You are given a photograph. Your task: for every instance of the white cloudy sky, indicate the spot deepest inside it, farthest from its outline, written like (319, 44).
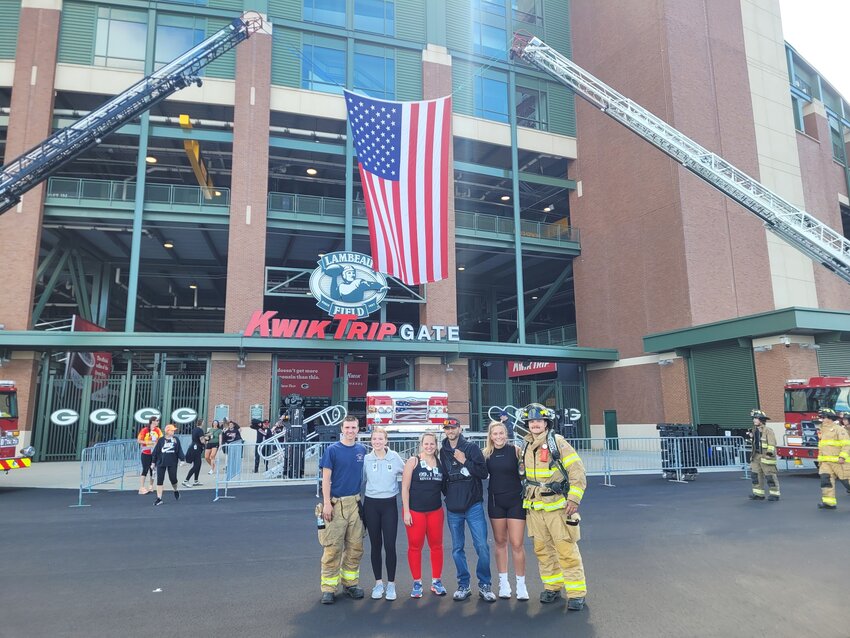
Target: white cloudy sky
(817, 29)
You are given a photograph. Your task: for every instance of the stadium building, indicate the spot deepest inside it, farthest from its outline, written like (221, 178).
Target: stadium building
(587, 270)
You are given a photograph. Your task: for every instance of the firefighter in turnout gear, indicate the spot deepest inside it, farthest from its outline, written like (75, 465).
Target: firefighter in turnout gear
(844, 419)
(833, 456)
(554, 486)
(763, 462)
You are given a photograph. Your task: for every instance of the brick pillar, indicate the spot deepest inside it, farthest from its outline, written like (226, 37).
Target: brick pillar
(431, 373)
(20, 228)
(775, 366)
(246, 251)
(675, 391)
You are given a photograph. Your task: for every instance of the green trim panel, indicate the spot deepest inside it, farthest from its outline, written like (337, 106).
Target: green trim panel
(834, 359)
(800, 320)
(408, 70)
(459, 25)
(462, 88)
(77, 33)
(233, 5)
(723, 385)
(225, 66)
(289, 9)
(410, 20)
(556, 22)
(10, 16)
(286, 65)
(562, 109)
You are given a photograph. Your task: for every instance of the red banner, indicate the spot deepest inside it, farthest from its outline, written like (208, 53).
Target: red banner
(528, 368)
(96, 364)
(358, 379)
(315, 378)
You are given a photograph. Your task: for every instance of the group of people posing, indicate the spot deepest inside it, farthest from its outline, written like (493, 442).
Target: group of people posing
(538, 486)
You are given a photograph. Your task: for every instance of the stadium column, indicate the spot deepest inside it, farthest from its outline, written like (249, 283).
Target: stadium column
(30, 122)
(235, 382)
(441, 309)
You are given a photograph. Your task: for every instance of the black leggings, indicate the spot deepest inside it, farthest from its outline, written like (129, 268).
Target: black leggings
(381, 516)
(196, 466)
(172, 474)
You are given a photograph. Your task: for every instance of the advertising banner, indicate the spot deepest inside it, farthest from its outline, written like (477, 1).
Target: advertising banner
(528, 368)
(358, 379)
(96, 364)
(315, 378)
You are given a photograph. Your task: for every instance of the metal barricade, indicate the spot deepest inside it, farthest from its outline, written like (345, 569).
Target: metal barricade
(106, 462)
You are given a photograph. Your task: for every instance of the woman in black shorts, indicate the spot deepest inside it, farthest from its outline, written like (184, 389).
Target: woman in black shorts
(504, 506)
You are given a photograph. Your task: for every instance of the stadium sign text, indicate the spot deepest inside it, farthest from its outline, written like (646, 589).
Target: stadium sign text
(347, 328)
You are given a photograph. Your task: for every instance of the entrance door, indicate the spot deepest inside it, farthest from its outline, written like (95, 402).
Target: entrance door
(610, 417)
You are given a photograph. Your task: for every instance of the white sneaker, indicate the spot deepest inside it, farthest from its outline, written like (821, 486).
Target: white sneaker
(391, 595)
(210, 472)
(378, 591)
(186, 484)
(504, 590)
(521, 591)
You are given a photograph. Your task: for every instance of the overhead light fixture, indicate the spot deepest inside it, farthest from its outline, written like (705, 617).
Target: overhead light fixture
(241, 362)
(505, 198)
(534, 297)
(193, 286)
(461, 267)
(311, 171)
(321, 254)
(217, 193)
(150, 159)
(549, 209)
(168, 244)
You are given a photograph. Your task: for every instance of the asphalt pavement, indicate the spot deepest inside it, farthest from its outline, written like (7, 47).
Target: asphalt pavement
(662, 559)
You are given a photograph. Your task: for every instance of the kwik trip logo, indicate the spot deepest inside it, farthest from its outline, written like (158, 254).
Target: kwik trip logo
(345, 284)
(346, 287)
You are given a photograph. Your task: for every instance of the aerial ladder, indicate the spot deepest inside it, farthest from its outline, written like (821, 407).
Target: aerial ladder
(809, 235)
(28, 170)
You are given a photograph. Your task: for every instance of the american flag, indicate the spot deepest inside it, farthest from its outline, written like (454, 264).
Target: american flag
(403, 155)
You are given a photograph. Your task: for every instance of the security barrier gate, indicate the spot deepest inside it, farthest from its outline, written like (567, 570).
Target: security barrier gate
(73, 414)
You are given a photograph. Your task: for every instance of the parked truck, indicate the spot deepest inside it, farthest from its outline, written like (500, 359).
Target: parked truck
(9, 432)
(803, 399)
(406, 411)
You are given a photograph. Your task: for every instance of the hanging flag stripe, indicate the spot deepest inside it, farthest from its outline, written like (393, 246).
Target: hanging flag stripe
(403, 158)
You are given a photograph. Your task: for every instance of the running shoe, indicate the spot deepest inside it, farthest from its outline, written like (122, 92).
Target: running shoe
(437, 587)
(417, 590)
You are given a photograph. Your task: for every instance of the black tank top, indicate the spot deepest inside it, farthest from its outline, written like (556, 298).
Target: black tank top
(503, 467)
(426, 488)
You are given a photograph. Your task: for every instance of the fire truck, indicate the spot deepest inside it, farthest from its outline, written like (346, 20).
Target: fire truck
(9, 432)
(803, 399)
(406, 411)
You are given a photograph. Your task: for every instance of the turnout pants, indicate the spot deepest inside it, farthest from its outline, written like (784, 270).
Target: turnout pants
(763, 470)
(342, 540)
(556, 548)
(829, 473)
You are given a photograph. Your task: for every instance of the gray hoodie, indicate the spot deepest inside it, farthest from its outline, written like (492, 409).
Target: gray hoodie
(381, 475)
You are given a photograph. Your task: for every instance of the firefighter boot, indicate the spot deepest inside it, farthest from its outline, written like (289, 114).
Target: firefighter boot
(328, 598)
(772, 498)
(575, 604)
(824, 506)
(549, 596)
(755, 497)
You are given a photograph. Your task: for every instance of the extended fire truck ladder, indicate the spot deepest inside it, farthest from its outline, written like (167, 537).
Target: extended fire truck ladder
(812, 237)
(25, 172)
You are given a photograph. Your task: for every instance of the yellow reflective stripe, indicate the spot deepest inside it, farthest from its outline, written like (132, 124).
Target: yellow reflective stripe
(330, 580)
(526, 504)
(827, 458)
(533, 473)
(769, 448)
(575, 585)
(561, 503)
(844, 455)
(833, 442)
(829, 500)
(551, 580)
(768, 461)
(572, 458)
(350, 575)
(576, 491)
(758, 492)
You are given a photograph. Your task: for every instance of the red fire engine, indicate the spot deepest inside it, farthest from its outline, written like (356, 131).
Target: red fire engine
(803, 399)
(406, 411)
(9, 432)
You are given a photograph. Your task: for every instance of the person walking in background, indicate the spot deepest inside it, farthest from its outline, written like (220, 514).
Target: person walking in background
(213, 441)
(166, 455)
(763, 459)
(231, 434)
(381, 470)
(422, 509)
(264, 432)
(504, 506)
(147, 439)
(463, 467)
(833, 457)
(844, 420)
(342, 537)
(554, 488)
(195, 456)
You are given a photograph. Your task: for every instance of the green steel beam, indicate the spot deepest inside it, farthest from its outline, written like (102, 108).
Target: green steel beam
(504, 173)
(313, 147)
(797, 320)
(48, 288)
(217, 342)
(541, 303)
(548, 181)
(520, 285)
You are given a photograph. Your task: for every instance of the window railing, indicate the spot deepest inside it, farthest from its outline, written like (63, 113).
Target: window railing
(125, 191)
(560, 336)
(558, 231)
(313, 205)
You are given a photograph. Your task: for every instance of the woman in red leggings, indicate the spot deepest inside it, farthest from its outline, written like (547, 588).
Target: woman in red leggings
(422, 504)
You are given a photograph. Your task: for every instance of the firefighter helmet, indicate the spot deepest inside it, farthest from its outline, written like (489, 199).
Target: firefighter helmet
(827, 413)
(760, 415)
(534, 411)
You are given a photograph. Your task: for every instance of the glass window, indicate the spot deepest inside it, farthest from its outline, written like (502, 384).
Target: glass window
(496, 7)
(120, 39)
(489, 40)
(377, 16)
(323, 66)
(325, 11)
(490, 98)
(527, 11)
(374, 72)
(837, 139)
(175, 35)
(531, 108)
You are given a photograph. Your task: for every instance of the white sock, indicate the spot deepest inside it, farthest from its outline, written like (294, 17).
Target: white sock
(503, 578)
(379, 582)
(520, 580)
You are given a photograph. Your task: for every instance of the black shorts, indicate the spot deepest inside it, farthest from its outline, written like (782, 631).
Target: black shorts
(212, 446)
(508, 505)
(146, 464)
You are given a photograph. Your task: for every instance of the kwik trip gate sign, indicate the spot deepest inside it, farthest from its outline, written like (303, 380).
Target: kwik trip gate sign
(346, 287)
